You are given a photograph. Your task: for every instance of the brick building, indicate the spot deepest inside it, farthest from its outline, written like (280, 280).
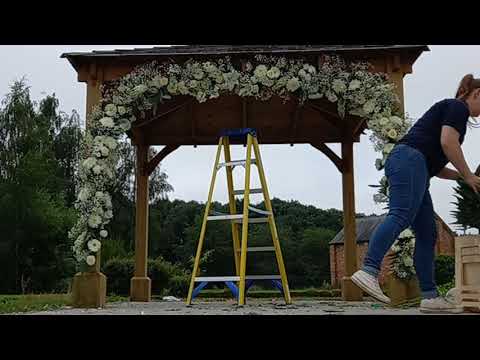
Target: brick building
(364, 230)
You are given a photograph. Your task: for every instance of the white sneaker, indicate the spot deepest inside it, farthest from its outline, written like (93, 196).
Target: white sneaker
(370, 285)
(439, 305)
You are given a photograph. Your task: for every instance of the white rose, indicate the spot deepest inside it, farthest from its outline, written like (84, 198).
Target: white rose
(172, 87)
(124, 124)
(121, 110)
(369, 106)
(84, 194)
(97, 169)
(408, 261)
(110, 142)
(383, 121)
(182, 88)
(94, 245)
(90, 260)
(111, 110)
(104, 233)
(302, 73)
(104, 151)
(396, 120)
(392, 134)
(107, 122)
(109, 214)
(293, 84)
(198, 74)
(219, 78)
(163, 81)
(89, 163)
(354, 85)
(94, 220)
(261, 71)
(193, 84)
(140, 89)
(108, 201)
(273, 73)
(339, 86)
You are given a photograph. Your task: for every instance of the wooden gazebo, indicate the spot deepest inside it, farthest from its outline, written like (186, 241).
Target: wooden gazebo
(184, 121)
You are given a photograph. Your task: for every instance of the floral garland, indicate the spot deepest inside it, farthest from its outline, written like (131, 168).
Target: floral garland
(402, 253)
(352, 86)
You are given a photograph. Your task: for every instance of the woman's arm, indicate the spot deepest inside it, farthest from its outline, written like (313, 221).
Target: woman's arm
(452, 149)
(449, 174)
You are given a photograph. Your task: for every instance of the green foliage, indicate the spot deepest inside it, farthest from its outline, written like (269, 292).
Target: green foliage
(35, 192)
(166, 277)
(444, 269)
(467, 214)
(445, 288)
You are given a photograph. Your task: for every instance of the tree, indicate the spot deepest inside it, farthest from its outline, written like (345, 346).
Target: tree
(34, 216)
(467, 214)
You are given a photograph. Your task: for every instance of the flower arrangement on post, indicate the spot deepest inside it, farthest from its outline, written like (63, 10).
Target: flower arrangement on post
(351, 85)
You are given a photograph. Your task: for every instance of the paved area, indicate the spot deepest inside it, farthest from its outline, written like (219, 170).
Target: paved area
(229, 307)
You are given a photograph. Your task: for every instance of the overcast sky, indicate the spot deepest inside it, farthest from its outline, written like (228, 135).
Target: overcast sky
(299, 173)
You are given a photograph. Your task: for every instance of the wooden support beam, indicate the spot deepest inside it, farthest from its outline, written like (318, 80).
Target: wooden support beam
(296, 118)
(140, 290)
(244, 113)
(337, 161)
(350, 292)
(359, 127)
(173, 109)
(332, 118)
(153, 163)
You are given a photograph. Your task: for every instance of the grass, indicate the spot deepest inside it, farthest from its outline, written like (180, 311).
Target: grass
(10, 304)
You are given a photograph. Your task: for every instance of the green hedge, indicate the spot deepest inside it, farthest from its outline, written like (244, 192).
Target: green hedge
(167, 278)
(444, 269)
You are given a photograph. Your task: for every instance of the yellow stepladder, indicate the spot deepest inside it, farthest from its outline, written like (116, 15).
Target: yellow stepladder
(241, 282)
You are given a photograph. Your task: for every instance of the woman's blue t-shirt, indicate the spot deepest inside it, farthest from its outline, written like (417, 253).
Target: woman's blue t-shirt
(425, 135)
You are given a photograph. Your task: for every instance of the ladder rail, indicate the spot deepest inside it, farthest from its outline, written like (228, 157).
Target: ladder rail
(273, 227)
(204, 224)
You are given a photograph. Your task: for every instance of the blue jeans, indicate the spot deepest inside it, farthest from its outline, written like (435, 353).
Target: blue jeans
(410, 206)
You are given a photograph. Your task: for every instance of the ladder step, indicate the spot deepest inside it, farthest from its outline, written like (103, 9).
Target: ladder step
(237, 278)
(252, 191)
(252, 220)
(217, 279)
(259, 249)
(258, 211)
(237, 219)
(235, 163)
(224, 217)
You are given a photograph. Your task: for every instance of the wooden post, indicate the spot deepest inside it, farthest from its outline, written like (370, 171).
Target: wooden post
(350, 292)
(140, 290)
(89, 289)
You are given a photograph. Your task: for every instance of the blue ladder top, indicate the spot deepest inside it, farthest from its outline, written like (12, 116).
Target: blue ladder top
(238, 133)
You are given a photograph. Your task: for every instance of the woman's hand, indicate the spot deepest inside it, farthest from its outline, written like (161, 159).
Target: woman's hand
(474, 182)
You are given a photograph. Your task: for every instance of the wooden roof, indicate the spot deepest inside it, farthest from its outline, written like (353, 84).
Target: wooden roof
(77, 58)
(366, 226)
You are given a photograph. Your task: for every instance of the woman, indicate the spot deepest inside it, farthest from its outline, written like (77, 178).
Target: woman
(433, 142)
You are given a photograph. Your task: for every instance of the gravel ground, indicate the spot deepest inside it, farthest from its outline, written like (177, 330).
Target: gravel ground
(229, 307)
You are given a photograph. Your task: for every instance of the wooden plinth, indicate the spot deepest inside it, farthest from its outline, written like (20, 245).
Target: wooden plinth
(140, 289)
(89, 290)
(350, 291)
